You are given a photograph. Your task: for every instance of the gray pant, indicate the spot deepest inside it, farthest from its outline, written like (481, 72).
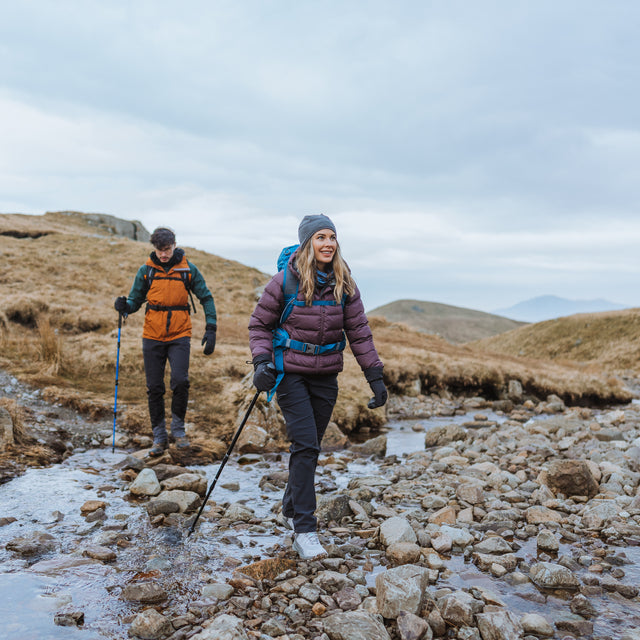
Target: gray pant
(306, 403)
(155, 354)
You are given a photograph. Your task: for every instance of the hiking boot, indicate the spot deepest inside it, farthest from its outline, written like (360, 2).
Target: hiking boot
(182, 442)
(157, 449)
(308, 546)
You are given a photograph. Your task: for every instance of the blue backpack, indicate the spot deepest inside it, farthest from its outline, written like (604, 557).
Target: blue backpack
(281, 339)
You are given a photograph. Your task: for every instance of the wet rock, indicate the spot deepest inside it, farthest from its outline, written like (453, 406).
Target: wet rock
(238, 512)
(498, 625)
(459, 537)
(548, 575)
(130, 462)
(150, 625)
(186, 500)
(104, 554)
(581, 606)
(412, 627)
(274, 627)
(514, 390)
(571, 478)
(56, 565)
(574, 624)
(444, 434)
(400, 553)
(186, 482)
(69, 617)
(355, 625)
(598, 513)
(459, 608)
(5, 521)
(332, 581)
(224, 627)
(146, 484)
(92, 505)
(537, 625)
(158, 507)
(333, 508)
(6, 429)
(494, 544)
(401, 589)
(145, 592)
(217, 590)
(276, 478)
(373, 447)
(33, 543)
(347, 598)
(547, 541)
(397, 529)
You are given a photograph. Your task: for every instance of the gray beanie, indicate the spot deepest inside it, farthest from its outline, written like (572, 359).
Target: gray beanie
(311, 225)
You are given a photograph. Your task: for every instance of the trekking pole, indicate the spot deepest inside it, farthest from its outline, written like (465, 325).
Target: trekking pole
(115, 401)
(224, 460)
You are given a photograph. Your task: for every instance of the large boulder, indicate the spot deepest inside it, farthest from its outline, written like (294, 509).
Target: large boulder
(571, 478)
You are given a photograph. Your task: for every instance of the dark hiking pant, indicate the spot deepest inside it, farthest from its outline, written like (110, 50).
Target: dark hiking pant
(306, 402)
(156, 354)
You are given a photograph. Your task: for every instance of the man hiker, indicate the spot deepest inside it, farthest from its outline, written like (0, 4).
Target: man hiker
(166, 281)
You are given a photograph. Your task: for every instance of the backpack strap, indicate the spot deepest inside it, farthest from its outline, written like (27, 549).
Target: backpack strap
(185, 276)
(281, 338)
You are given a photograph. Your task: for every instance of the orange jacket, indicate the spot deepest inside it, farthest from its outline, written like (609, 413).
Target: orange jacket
(167, 316)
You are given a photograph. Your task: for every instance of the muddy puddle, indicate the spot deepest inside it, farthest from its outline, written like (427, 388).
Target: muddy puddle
(34, 588)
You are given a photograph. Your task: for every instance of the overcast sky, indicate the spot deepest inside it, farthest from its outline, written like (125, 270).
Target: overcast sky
(474, 153)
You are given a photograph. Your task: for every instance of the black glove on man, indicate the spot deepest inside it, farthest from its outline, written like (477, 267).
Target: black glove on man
(209, 340)
(374, 378)
(264, 377)
(120, 304)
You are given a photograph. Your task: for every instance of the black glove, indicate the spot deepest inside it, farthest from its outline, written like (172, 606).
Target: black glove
(209, 339)
(374, 378)
(120, 304)
(264, 377)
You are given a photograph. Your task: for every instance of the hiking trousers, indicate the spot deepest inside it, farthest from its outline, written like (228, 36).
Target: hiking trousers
(306, 402)
(155, 354)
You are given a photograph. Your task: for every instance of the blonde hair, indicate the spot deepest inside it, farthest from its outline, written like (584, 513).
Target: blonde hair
(307, 268)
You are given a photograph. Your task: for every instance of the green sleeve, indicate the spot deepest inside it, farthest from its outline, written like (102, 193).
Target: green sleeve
(199, 287)
(138, 292)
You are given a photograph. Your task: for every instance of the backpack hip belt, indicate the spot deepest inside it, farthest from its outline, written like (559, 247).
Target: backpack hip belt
(162, 307)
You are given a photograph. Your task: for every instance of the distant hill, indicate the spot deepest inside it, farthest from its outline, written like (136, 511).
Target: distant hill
(549, 307)
(455, 324)
(609, 339)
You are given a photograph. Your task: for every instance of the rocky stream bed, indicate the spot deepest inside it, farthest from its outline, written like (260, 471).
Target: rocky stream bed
(466, 519)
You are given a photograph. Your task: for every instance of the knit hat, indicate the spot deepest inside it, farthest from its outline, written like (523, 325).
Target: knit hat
(311, 225)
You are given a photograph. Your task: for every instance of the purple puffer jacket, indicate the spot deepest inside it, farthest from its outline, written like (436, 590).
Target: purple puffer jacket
(318, 324)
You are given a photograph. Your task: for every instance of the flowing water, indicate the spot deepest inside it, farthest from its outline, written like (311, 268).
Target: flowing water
(49, 500)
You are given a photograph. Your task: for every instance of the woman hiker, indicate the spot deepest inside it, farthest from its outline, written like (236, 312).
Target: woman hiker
(307, 352)
(166, 281)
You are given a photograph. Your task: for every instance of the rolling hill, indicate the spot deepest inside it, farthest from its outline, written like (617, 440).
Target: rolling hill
(455, 324)
(609, 339)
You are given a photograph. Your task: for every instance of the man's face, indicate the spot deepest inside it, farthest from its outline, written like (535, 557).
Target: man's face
(165, 254)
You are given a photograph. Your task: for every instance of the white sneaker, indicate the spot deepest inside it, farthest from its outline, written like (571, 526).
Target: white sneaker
(308, 546)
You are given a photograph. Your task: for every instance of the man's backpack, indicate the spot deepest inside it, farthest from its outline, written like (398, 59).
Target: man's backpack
(281, 339)
(185, 276)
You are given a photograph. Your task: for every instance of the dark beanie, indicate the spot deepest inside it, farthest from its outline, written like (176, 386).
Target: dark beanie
(311, 225)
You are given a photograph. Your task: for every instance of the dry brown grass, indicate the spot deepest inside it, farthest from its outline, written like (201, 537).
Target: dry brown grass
(609, 340)
(61, 333)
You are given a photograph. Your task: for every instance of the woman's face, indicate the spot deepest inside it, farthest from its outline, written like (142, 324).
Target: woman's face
(324, 244)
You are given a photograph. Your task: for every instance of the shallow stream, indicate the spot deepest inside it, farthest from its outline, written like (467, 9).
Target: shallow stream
(49, 500)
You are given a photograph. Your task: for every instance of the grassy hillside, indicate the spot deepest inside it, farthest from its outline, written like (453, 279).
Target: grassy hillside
(58, 331)
(455, 324)
(608, 340)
